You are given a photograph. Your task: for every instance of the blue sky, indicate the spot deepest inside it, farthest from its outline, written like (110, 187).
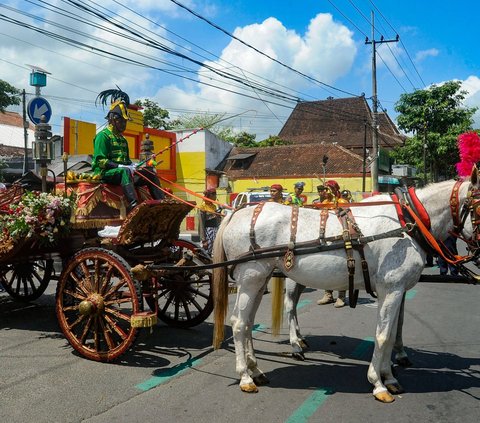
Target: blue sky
(320, 46)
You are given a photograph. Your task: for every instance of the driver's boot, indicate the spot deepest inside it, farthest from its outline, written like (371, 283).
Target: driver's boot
(130, 196)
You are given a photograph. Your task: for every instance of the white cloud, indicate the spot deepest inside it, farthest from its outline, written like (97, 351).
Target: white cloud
(423, 54)
(326, 52)
(472, 99)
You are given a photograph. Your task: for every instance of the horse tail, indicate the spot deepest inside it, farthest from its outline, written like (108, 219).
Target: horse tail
(220, 287)
(277, 304)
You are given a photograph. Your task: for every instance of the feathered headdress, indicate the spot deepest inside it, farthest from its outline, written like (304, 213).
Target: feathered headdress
(469, 150)
(119, 101)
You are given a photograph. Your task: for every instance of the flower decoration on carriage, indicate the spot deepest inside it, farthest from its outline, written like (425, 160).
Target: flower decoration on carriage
(469, 150)
(43, 215)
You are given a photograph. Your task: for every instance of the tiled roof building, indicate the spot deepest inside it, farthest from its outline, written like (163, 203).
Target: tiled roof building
(346, 121)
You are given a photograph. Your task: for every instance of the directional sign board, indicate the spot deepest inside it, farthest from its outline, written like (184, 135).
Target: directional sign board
(37, 107)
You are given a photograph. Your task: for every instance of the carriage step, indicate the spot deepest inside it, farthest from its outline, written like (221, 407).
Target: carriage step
(143, 320)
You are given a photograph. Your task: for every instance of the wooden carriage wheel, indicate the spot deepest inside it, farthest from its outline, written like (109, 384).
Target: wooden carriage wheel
(96, 297)
(185, 299)
(26, 281)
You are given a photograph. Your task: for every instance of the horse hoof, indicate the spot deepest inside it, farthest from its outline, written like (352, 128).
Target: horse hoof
(404, 362)
(261, 380)
(394, 388)
(299, 356)
(250, 388)
(384, 397)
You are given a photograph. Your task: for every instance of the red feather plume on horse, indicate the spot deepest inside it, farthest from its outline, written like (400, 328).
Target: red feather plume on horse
(469, 150)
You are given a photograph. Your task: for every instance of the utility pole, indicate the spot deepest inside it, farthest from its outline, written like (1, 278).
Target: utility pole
(375, 152)
(25, 134)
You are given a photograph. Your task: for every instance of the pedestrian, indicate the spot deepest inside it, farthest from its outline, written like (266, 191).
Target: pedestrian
(444, 266)
(276, 193)
(209, 219)
(333, 197)
(111, 158)
(346, 195)
(322, 194)
(296, 199)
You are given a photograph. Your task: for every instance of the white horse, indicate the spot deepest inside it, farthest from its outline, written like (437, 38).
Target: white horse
(395, 265)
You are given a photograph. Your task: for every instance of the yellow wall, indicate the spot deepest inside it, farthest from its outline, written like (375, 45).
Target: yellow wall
(80, 137)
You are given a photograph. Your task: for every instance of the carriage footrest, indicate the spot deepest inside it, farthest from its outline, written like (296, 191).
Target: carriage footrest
(143, 320)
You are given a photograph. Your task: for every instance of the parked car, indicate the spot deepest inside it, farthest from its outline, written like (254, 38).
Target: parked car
(253, 196)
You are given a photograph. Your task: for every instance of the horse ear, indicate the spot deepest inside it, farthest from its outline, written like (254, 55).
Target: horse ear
(474, 175)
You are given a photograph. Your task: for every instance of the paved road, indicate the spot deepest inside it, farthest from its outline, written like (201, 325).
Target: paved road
(173, 375)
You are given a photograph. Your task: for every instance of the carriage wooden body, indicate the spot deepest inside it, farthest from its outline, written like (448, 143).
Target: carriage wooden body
(105, 291)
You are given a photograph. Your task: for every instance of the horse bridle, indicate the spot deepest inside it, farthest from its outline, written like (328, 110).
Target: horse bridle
(471, 207)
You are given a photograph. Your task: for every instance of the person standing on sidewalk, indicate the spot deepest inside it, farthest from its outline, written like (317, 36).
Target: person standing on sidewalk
(333, 197)
(209, 220)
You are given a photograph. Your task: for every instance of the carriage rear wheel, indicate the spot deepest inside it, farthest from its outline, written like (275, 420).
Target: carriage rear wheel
(96, 298)
(185, 299)
(26, 281)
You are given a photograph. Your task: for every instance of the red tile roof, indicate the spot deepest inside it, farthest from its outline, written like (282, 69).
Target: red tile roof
(346, 121)
(299, 160)
(13, 119)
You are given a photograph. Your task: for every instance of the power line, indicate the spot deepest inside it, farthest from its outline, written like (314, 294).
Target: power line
(259, 51)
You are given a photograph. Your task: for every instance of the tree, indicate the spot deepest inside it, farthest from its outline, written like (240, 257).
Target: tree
(9, 95)
(272, 141)
(435, 116)
(153, 115)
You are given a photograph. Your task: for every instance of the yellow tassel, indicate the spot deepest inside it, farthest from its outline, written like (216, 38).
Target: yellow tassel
(277, 304)
(143, 320)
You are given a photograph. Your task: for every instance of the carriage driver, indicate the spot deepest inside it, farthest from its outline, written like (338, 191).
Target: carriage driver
(111, 157)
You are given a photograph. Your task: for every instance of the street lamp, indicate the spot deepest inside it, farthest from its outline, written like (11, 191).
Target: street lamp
(43, 152)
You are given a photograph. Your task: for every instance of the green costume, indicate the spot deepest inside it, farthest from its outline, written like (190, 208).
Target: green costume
(109, 151)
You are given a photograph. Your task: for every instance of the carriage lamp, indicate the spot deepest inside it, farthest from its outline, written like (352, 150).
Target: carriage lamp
(42, 149)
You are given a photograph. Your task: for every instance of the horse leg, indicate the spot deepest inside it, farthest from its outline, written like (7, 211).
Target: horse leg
(257, 375)
(293, 291)
(401, 356)
(380, 371)
(242, 320)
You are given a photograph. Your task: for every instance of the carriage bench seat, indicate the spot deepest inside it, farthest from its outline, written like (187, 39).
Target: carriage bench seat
(98, 204)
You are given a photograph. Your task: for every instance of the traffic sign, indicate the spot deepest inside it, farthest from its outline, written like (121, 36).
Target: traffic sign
(37, 107)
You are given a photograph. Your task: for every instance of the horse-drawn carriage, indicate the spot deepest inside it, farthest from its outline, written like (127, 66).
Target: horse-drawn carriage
(106, 290)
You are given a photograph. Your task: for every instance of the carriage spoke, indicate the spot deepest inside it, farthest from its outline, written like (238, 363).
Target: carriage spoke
(86, 329)
(118, 314)
(112, 324)
(76, 322)
(106, 334)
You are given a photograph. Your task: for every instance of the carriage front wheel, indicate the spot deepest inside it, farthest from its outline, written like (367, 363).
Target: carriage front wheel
(26, 281)
(185, 299)
(96, 298)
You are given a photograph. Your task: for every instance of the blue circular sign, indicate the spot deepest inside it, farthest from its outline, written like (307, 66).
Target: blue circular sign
(37, 107)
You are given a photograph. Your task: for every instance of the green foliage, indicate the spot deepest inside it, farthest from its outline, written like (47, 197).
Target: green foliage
(205, 120)
(153, 115)
(9, 95)
(272, 141)
(435, 116)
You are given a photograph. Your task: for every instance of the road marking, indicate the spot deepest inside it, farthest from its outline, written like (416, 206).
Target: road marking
(363, 348)
(303, 303)
(258, 327)
(168, 374)
(410, 294)
(303, 413)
